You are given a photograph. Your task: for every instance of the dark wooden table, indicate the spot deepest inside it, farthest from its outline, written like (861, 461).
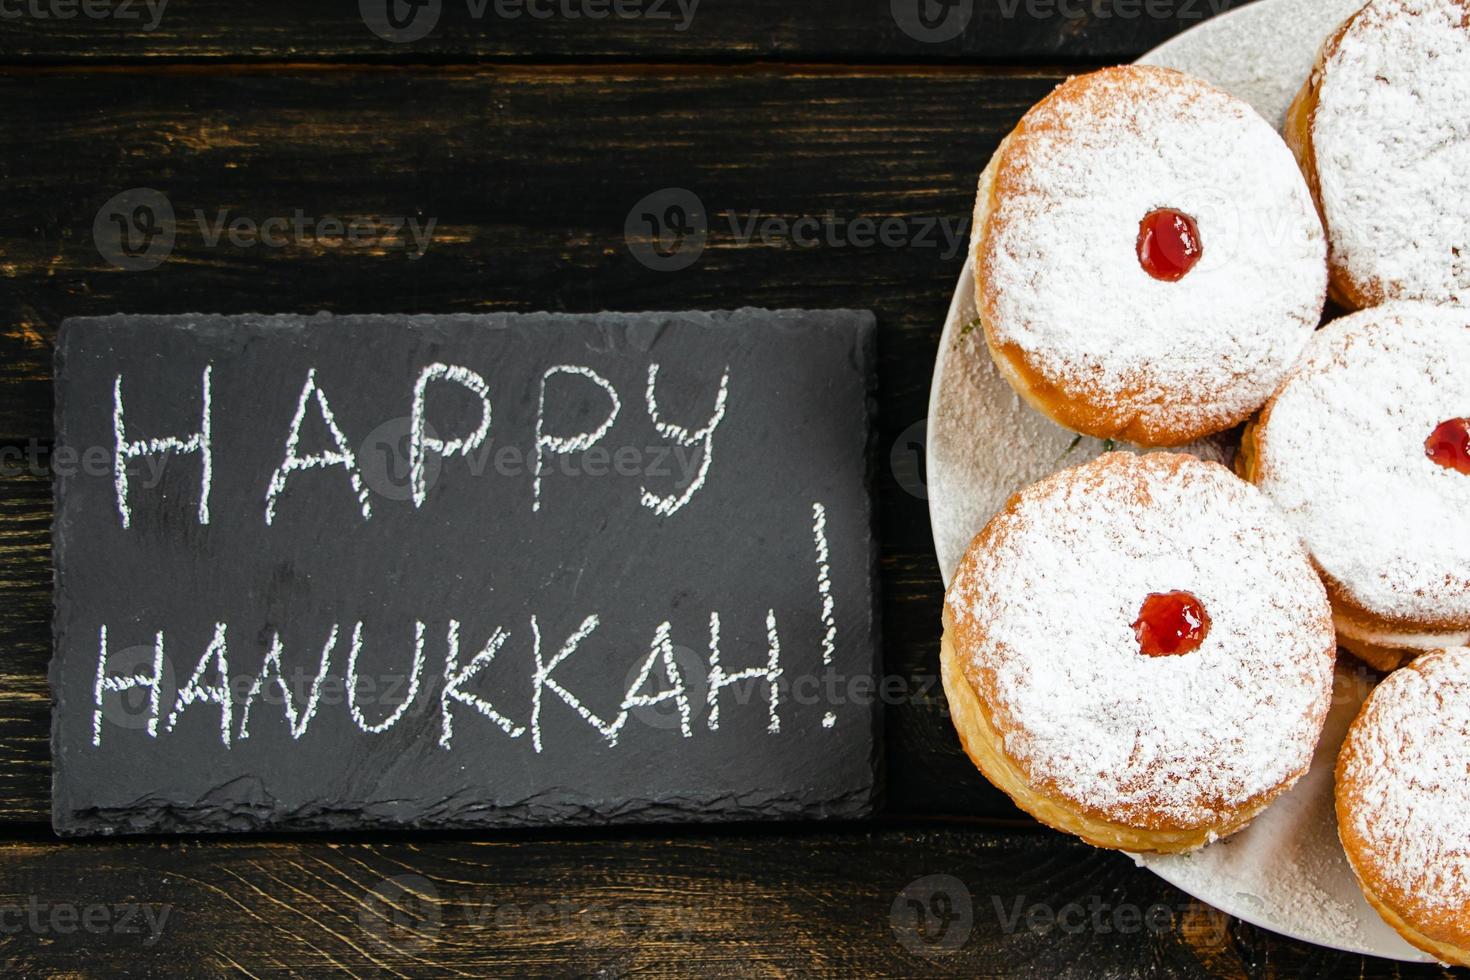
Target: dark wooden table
(528, 140)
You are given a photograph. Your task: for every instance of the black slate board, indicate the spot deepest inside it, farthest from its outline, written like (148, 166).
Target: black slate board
(470, 554)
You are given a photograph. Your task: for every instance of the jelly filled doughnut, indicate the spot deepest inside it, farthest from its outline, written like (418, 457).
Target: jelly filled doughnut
(1367, 451)
(1148, 261)
(1138, 651)
(1403, 803)
(1382, 131)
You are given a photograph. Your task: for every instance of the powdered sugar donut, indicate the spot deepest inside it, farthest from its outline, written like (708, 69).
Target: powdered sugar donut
(1148, 260)
(1138, 652)
(1367, 450)
(1403, 803)
(1383, 134)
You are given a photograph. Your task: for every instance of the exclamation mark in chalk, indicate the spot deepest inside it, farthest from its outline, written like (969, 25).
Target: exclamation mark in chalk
(824, 589)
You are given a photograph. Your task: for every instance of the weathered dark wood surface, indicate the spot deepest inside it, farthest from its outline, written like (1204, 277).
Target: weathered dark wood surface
(529, 143)
(530, 216)
(801, 903)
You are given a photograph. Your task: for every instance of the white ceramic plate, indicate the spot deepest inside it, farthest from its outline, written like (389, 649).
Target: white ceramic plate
(1286, 872)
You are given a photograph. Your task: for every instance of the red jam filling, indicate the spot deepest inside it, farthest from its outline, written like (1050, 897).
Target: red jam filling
(1171, 624)
(1168, 244)
(1449, 445)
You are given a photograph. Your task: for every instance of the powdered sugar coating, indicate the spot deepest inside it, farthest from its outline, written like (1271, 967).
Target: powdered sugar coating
(1058, 272)
(1391, 135)
(1042, 606)
(1404, 793)
(1341, 451)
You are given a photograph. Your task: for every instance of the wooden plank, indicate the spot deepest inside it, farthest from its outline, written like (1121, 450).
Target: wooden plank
(832, 905)
(653, 30)
(531, 214)
(530, 176)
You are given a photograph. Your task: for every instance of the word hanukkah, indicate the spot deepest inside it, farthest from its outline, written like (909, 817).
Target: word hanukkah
(235, 719)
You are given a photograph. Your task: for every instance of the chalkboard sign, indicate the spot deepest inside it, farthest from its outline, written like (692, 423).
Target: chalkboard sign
(445, 571)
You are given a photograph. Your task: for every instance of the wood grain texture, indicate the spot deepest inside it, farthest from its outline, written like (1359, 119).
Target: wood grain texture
(531, 171)
(579, 30)
(844, 904)
(529, 175)
(531, 214)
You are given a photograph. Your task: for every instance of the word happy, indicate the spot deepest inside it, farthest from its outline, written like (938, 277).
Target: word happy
(423, 446)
